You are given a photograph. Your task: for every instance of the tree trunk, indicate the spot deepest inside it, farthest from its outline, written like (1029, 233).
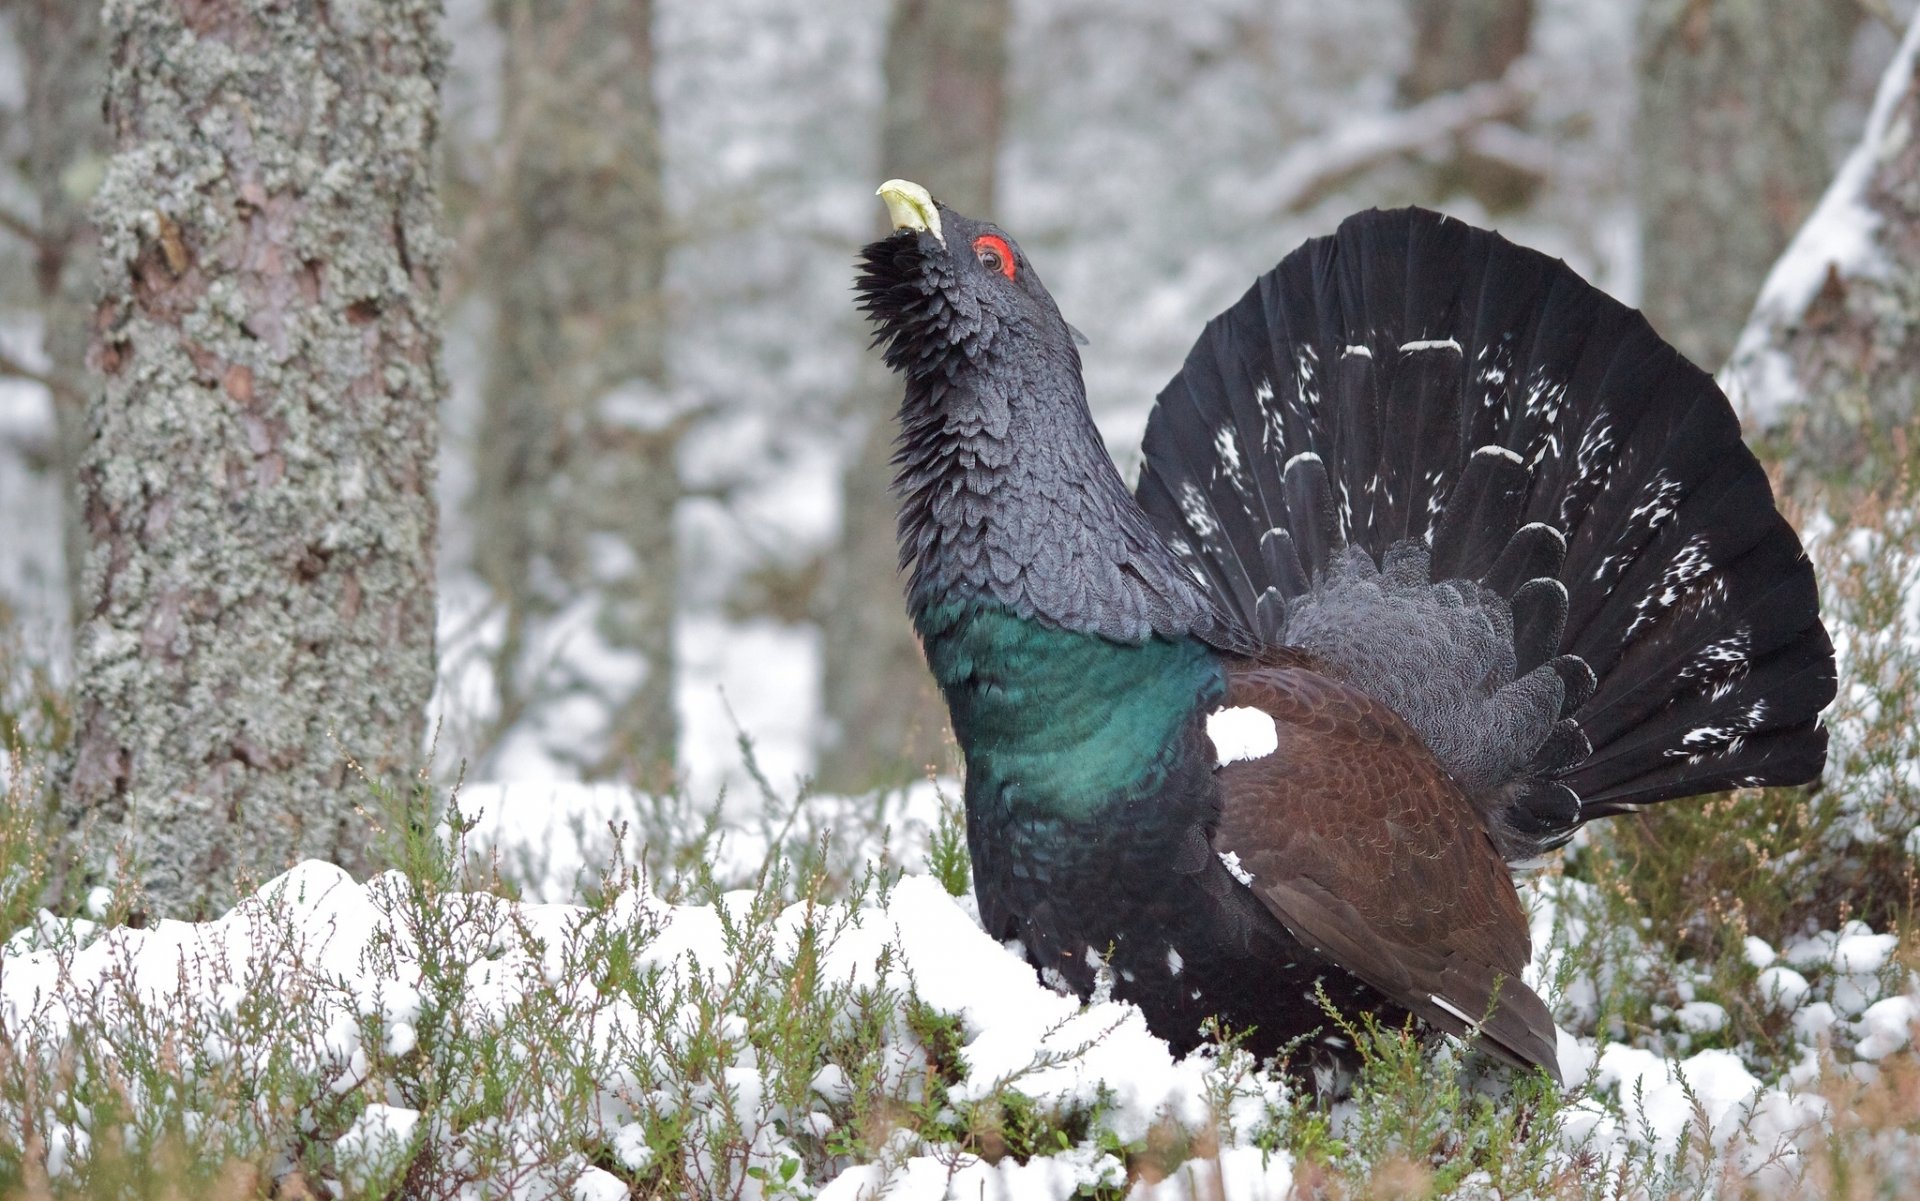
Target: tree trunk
(66, 68)
(1733, 151)
(258, 486)
(945, 69)
(578, 478)
(1456, 44)
(1832, 352)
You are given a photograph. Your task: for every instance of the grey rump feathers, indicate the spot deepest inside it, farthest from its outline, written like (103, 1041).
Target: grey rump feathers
(1443, 657)
(1007, 491)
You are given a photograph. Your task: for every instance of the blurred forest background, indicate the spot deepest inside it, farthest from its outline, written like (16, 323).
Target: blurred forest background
(627, 236)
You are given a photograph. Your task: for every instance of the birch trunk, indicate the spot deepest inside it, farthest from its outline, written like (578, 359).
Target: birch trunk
(258, 488)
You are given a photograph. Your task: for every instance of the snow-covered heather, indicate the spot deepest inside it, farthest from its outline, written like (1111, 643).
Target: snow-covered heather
(361, 993)
(642, 1028)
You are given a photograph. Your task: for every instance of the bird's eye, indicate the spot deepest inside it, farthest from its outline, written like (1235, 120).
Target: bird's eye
(994, 254)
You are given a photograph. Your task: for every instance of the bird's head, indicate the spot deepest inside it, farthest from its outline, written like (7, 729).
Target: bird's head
(945, 290)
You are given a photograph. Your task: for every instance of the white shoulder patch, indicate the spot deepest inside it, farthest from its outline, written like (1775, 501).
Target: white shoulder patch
(1232, 860)
(1241, 733)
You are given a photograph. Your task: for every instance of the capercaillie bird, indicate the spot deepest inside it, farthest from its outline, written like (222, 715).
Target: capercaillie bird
(1438, 553)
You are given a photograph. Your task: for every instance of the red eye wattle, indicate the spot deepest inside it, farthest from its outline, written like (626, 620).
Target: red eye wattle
(994, 254)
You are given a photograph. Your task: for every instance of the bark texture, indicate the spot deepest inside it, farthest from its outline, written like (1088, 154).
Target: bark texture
(66, 69)
(578, 476)
(1832, 352)
(259, 480)
(1731, 126)
(945, 68)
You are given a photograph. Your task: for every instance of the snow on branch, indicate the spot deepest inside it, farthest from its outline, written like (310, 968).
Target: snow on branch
(1310, 168)
(1839, 270)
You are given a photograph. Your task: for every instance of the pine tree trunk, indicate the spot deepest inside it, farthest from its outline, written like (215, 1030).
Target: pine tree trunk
(1832, 352)
(66, 69)
(258, 486)
(945, 69)
(578, 479)
(1731, 128)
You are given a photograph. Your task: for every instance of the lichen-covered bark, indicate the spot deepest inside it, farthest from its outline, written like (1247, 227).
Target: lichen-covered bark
(1731, 131)
(945, 68)
(1832, 351)
(258, 485)
(66, 69)
(578, 477)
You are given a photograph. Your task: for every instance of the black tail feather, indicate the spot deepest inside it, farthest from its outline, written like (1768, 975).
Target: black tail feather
(1413, 378)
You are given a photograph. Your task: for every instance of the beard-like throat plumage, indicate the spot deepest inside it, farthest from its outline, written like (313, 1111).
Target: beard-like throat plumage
(1006, 489)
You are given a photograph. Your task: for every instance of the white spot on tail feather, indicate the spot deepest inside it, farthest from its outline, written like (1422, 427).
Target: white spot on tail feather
(1193, 506)
(1226, 451)
(1305, 456)
(1544, 400)
(1241, 733)
(1174, 962)
(1723, 663)
(1722, 739)
(1430, 344)
(1234, 869)
(1663, 496)
(1686, 569)
(1357, 351)
(1499, 452)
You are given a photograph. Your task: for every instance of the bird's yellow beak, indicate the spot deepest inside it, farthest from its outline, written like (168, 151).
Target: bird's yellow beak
(911, 207)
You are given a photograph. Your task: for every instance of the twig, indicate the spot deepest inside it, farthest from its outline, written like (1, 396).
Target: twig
(21, 228)
(57, 384)
(1515, 148)
(1308, 170)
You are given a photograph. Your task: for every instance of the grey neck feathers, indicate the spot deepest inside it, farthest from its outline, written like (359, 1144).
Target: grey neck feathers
(1008, 493)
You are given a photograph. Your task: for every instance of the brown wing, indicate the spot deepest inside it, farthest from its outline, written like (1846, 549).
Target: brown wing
(1368, 852)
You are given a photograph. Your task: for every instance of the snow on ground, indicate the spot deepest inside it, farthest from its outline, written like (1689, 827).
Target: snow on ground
(349, 948)
(553, 838)
(351, 958)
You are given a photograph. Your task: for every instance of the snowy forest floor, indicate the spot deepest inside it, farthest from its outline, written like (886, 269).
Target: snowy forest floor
(584, 992)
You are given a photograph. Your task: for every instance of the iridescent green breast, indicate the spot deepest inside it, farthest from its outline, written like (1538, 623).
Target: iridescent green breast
(1057, 722)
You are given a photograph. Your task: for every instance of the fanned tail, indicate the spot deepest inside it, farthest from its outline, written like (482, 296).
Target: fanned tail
(1480, 488)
